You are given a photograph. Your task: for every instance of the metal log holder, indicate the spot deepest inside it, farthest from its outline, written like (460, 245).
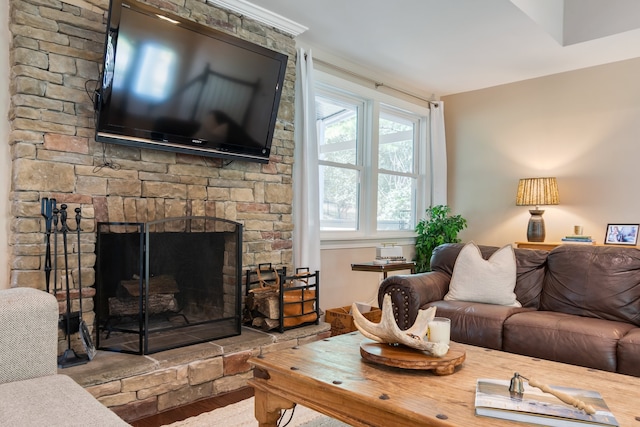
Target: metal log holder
(296, 295)
(299, 299)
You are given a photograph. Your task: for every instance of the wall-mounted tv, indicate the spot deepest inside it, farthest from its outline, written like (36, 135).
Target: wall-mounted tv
(172, 84)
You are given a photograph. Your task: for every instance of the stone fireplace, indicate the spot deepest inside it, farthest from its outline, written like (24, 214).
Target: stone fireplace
(55, 49)
(167, 284)
(54, 55)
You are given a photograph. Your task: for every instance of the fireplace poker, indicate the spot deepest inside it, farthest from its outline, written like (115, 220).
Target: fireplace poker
(85, 336)
(55, 249)
(46, 210)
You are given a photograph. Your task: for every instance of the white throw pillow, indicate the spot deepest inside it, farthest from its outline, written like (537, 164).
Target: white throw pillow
(489, 281)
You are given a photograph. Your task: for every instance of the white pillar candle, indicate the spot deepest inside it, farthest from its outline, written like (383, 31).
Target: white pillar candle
(440, 330)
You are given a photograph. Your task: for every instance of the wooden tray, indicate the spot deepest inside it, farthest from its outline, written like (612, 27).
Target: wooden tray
(408, 358)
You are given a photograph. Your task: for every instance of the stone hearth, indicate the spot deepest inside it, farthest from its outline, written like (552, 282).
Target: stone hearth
(135, 386)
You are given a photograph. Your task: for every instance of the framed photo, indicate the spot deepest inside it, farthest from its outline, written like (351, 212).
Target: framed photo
(621, 234)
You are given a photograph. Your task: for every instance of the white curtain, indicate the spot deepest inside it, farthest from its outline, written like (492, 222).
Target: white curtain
(306, 210)
(438, 155)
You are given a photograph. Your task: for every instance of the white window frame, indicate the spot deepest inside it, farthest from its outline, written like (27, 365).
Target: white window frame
(374, 100)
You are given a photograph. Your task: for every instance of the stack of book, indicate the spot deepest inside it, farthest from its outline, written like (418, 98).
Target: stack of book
(578, 238)
(389, 253)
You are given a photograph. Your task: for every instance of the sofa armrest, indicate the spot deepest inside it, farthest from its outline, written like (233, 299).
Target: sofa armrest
(410, 292)
(28, 334)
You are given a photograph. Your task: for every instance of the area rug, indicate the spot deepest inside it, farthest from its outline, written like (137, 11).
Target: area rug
(241, 415)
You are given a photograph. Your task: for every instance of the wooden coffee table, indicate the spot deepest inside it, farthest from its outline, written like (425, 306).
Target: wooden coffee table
(330, 377)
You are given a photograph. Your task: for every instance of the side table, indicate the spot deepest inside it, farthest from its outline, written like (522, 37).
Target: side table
(547, 246)
(384, 268)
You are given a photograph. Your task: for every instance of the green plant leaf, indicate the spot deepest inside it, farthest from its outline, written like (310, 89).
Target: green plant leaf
(437, 228)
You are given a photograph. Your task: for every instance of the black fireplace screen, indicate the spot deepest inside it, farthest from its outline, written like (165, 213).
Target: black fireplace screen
(168, 283)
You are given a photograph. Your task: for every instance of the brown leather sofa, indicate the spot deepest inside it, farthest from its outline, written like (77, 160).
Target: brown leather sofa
(580, 305)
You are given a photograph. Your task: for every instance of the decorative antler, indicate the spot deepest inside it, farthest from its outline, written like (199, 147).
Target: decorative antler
(387, 331)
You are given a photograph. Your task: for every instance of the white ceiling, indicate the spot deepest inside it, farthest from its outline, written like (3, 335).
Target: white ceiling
(441, 47)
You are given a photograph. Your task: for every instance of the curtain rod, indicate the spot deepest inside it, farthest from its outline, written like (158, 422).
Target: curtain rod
(377, 84)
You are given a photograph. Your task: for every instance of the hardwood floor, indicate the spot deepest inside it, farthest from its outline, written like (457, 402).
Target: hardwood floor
(194, 409)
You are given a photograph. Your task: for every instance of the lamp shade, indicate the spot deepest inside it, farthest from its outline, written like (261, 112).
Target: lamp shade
(537, 191)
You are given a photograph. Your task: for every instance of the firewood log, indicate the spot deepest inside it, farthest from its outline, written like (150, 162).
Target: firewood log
(129, 306)
(163, 284)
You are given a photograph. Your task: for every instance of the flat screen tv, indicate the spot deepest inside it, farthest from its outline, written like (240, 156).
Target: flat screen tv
(172, 84)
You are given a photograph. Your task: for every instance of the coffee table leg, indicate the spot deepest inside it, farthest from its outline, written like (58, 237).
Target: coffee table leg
(268, 407)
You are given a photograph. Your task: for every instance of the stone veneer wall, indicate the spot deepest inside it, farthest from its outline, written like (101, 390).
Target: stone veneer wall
(56, 48)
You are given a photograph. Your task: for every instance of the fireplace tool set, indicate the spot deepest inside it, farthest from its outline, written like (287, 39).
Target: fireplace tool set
(70, 322)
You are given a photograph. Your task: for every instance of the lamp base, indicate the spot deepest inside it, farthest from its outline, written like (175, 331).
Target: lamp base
(535, 229)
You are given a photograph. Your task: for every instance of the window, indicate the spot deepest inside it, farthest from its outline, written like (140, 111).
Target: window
(372, 172)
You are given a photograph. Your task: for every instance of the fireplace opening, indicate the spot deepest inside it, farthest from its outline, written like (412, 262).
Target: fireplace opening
(167, 284)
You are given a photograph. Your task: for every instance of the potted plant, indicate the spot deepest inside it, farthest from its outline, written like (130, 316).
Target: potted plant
(437, 228)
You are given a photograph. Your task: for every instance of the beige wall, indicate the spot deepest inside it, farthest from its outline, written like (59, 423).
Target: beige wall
(340, 286)
(582, 127)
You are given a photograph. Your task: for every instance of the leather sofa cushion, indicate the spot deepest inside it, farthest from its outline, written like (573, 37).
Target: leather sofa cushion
(593, 281)
(475, 323)
(530, 268)
(628, 351)
(565, 338)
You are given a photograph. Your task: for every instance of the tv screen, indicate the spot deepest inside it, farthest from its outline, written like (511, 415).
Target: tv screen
(172, 84)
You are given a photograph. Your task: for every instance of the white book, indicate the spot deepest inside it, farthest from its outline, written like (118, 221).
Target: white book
(493, 399)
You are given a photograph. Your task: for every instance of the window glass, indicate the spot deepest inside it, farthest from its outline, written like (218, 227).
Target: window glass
(396, 142)
(397, 134)
(337, 128)
(338, 122)
(396, 195)
(339, 192)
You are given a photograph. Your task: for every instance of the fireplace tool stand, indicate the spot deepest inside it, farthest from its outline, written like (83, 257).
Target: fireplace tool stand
(69, 357)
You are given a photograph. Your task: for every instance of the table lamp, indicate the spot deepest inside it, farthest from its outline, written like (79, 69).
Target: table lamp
(536, 192)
